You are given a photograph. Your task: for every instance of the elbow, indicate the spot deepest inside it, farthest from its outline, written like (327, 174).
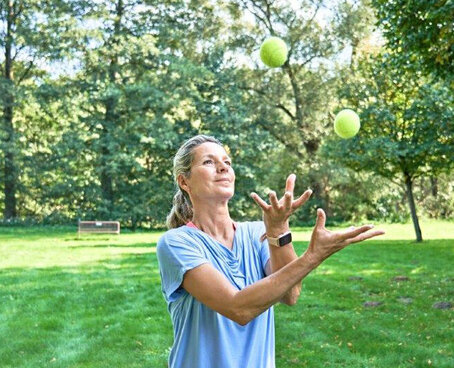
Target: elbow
(291, 298)
(243, 322)
(239, 312)
(292, 301)
(242, 318)
(289, 301)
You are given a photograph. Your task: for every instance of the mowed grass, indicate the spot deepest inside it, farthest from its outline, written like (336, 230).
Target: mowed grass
(96, 302)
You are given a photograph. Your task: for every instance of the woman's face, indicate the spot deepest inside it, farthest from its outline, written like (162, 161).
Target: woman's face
(212, 175)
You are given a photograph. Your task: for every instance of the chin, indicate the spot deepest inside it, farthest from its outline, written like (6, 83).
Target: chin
(227, 195)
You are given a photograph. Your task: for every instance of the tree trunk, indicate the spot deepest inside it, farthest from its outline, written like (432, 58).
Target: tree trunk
(311, 144)
(411, 202)
(10, 171)
(434, 186)
(106, 177)
(110, 118)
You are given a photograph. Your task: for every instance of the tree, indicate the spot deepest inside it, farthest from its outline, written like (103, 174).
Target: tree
(420, 31)
(407, 125)
(136, 95)
(292, 103)
(31, 32)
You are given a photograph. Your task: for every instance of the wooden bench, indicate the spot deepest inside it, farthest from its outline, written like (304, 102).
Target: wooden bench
(100, 227)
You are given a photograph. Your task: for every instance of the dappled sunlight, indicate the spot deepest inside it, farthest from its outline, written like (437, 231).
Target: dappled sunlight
(371, 271)
(326, 271)
(418, 270)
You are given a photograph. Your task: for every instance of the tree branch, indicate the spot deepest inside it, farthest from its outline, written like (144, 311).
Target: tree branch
(278, 105)
(280, 138)
(24, 74)
(18, 50)
(18, 12)
(264, 17)
(287, 111)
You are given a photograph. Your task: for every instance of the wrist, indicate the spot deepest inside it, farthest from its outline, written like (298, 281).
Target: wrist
(274, 231)
(312, 259)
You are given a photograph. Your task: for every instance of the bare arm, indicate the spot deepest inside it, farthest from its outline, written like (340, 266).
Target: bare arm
(275, 216)
(211, 288)
(280, 257)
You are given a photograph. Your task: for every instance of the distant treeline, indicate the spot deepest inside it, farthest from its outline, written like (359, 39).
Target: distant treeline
(97, 96)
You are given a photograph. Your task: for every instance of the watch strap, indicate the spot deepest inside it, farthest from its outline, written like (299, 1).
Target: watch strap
(281, 240)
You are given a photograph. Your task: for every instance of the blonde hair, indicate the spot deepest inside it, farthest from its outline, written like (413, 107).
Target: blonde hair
(181, 212)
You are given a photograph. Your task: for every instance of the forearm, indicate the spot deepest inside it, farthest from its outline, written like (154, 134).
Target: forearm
(258, 297)
(280, 257)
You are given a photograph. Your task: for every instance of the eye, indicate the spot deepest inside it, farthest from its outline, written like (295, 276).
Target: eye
(228, 163)
(207, 162)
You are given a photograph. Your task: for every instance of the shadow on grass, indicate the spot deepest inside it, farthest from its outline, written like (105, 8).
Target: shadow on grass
(110, 245)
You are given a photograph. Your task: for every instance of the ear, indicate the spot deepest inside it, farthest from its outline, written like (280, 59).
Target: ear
(182, 182)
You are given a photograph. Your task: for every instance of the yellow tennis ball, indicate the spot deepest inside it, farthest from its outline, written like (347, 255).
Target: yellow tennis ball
(346, 123)
(273, 52)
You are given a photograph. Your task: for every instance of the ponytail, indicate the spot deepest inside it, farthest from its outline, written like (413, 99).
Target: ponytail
(181, 212)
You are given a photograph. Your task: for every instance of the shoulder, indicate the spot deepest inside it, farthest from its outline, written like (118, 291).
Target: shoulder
(180, 236)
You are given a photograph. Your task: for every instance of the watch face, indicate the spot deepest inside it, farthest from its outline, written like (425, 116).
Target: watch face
(286, 239)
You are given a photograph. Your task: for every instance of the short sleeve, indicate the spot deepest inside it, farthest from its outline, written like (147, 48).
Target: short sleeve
(176, 254)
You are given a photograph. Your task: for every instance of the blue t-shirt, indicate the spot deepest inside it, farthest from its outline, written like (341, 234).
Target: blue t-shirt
(204, 338)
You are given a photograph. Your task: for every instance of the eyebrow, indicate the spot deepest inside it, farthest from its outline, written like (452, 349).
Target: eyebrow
(213, 156)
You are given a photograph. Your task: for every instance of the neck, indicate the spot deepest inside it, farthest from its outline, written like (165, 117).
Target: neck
(213, 220)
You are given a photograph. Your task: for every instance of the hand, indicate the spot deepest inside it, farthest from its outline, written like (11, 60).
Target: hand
(324, 243)
(276, 214)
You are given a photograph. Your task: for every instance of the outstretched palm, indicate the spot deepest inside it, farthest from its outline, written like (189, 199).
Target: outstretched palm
(325, 242)
(276, 214)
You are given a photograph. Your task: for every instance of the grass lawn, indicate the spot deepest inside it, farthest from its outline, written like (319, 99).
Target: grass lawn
(96, 302)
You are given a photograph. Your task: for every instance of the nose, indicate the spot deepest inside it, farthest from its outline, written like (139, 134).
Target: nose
(222, 167)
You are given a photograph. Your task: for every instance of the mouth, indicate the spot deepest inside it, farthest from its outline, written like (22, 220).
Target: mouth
(221, 180)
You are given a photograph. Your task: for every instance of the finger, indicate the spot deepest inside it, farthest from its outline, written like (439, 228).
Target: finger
(349, 234)
(365, 236)
(290, 183)
(321, 218)
(273, 199)
(347, 230)
(288, 196)
(302, 199)
(265, 206)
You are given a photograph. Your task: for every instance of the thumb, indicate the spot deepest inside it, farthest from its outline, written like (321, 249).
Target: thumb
(321, 218)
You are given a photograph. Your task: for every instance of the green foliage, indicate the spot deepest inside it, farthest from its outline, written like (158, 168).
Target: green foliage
(407, 125)
(105, 92)
(436, 195)
(406, 122)
(33, 33)
(420, 31)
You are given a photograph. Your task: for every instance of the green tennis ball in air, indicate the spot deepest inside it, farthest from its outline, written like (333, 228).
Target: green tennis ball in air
(273, 52)
(346, 123)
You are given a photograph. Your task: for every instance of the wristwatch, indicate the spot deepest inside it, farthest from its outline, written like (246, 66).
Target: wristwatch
(281, 240)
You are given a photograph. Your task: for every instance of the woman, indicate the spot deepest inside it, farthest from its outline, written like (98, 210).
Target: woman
(221, 278)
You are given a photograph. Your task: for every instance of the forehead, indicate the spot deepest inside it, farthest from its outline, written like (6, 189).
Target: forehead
(209, 148)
